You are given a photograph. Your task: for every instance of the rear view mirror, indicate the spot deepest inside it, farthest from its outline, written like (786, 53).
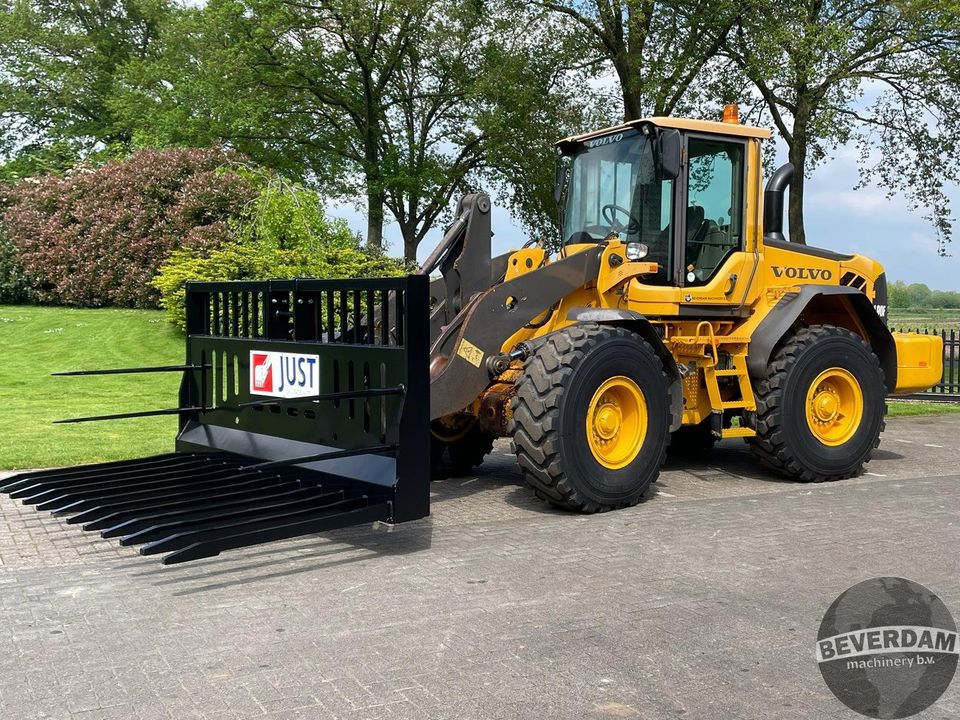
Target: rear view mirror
(667, 152)
(560, 180)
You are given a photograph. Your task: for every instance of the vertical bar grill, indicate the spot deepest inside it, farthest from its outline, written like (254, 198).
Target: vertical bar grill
(301, 410)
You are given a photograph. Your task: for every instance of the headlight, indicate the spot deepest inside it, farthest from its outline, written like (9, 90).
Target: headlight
(636, 251)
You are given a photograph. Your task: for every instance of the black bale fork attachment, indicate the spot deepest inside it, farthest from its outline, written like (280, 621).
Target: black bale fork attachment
(304, 407)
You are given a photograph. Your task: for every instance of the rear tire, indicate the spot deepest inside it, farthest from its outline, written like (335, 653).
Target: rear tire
(820, 410)
(591, 418)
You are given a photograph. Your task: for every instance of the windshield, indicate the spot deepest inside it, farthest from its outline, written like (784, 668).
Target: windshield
(613, 189)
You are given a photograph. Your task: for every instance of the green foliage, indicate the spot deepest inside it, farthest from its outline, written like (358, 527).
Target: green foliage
(53, 159)
(263, 262)
(897, 295)
(285, 215)
(659, 51)
(59, 66)
(398, 106)
(877, 73)
(532, 100)
(918, 295)
(14, 284)
(282, 234)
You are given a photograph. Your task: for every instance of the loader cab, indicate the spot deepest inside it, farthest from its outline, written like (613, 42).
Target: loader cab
(688, 210)
(613, 189)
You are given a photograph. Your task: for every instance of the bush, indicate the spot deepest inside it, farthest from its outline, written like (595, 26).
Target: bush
(283, 234)
(286, 215)
(14, 285)
(97, 236)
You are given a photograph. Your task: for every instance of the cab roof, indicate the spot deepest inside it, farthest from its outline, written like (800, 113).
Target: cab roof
(704, 126)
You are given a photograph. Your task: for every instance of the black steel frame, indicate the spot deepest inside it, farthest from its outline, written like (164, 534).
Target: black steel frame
(250, 469)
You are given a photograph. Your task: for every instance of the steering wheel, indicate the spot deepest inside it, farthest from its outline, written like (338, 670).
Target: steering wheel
(632, 228)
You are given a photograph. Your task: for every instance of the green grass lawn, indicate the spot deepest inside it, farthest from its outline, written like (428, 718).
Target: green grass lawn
(40, 340)
(37, 341)
(925, 318)
(909, 408)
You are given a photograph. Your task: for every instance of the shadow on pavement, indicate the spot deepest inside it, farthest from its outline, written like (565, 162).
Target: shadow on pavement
(276, 560)
(684, 477)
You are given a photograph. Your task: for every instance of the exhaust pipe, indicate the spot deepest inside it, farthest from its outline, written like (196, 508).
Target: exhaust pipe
(773, 203)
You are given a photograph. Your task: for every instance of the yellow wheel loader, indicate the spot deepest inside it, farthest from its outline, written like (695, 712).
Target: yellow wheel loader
(675, 312)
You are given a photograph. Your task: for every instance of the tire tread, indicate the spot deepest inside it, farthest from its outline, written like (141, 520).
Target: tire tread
(535, 426)
(769, 445)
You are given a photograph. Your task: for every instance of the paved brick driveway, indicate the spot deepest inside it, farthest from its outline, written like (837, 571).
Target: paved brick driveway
(702, 603)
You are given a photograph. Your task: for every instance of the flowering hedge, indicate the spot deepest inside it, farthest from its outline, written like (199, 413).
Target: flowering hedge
(97, 236)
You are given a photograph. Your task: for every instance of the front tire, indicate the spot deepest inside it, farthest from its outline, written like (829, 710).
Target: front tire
(591, 418)
(820, 410)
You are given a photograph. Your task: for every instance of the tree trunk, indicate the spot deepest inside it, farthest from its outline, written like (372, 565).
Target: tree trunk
(376, 195)
(410, 248)
(798, 157)
(631, 102)
(375, 200)
(629, 89)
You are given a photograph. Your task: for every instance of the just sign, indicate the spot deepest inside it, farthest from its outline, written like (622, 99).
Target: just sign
(285, 375)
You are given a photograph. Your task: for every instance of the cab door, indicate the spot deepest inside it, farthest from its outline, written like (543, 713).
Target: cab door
(717, 206)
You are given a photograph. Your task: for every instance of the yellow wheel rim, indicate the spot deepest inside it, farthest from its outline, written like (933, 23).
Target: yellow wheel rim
(834, 406)
(617, 422)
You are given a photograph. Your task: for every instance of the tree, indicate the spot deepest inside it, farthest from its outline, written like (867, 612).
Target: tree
(361, 100)
(544, 89)
(880, 73)
(919, 294)
(658, 50)
(300, 86)
(58, 65)
(899, 294)
(480, 103)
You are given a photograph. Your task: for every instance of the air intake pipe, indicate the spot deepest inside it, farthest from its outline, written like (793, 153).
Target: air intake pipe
(773, 203)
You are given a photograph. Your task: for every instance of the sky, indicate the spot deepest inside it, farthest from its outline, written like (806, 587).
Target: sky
(837, 217)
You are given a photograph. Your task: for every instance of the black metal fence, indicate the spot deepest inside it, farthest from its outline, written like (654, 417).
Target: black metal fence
(948, 389)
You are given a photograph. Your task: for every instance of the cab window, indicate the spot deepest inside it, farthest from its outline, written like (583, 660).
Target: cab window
(714, 206)
(614, 190)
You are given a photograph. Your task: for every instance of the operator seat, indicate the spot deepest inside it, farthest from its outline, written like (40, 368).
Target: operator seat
(696, 230)
(716, 245)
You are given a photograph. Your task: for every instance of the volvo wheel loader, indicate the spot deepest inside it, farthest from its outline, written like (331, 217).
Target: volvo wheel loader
(675, 312)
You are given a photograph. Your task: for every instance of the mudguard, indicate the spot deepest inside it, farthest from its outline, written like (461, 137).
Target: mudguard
(778, 323)
(639, 324)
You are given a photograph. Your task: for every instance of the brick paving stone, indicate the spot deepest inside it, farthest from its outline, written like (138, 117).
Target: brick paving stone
(702, 602)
